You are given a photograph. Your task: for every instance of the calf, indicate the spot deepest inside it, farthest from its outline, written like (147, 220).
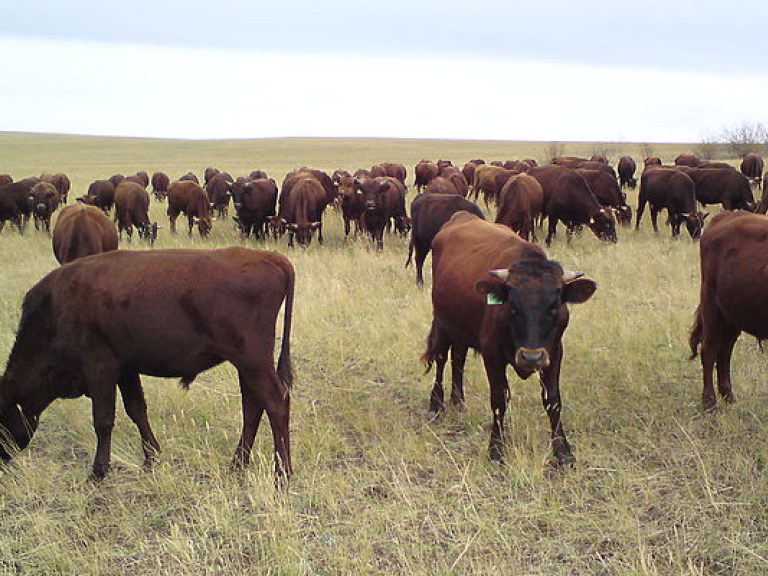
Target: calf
(255, 202)
(520, 203)
(626, 169)
(188, 197)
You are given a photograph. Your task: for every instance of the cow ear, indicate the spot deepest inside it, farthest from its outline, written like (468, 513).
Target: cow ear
(496, 292)
(579, 290)
(384, 186)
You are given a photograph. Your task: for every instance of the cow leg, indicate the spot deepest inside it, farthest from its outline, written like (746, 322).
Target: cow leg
(421, 255)
(552, 228)
(550, 397)
(723, 366)
(458, 358)
(640, 210)
(136, 408)
(320, 234)
(497, 379)
(654, 219)
(437, 352)
(172, 215)
(103, 408)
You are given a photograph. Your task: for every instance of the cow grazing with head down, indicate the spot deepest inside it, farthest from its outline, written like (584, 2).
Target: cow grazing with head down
(606, 190)
(132, 210)
(626, 169)
(82, 230)
(384, 204)
(15, 205)
(520, 203)
(98, 323)
(489, 180)
(733, 297)
(725, 186)
(500, 295)
(428, 214)
(752, 167)
(674, 190)
(101, 194)
(160, 183)
(301, 209)
(219, 190)
(188, 197)
(255, 202)
(423, 172)
(44, 199)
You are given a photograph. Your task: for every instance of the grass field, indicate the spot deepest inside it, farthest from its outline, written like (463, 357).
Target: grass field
(658, 488)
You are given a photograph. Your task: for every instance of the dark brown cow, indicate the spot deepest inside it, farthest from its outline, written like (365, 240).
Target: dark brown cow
(141, 178)
(651, 162)
(606, 190)
(440, 185)
(301, 209)
(391, 169)
(44, 198)
(384, 203)
(160, 183)
(255, 202)
(323, 178)
(469, 170)
(762, 207)
(190, 177)
(352, 205)
(673, 190)
(100, 322)
(424, 171)
(686, 159)
(725, 186)
(520, 204)
(82, 230)
(569, 161)
(61, 182)
(132, 209)
(569, 200)
(219, 190)
(500, 295)
(752, 167)
(116, 179)
(626, 169)
(101, 194)
(209, 174)
(14, 203)
(188, 196)
(733, 298)
(257, 175)
(428, 214)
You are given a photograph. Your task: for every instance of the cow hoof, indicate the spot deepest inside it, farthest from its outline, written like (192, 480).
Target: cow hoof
(459, 406)
(495, 455)
(435, 416)
(566, 461)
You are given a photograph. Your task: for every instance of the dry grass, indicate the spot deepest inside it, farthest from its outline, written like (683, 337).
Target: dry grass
(657, 488)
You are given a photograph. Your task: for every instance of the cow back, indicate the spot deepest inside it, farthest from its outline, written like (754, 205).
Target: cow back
(82, 230)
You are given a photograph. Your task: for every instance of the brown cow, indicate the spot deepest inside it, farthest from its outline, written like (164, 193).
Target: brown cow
(255, 202)
(384, 203)
(440, 185)
(606, 190)
(101, 194)
(520, 203)
(6, 179)
(61, 182)
(626, 169)
(428, 214)
(733, 296)
(469, 170)
(141, 178)
(725, 186)
(674, 190)
(190, 177)
(424, 171)
(301, 209)
(160, 183)
(219, 190)
(44, 198)
(569, 161)
(209, 174)
(82, 230)
(686, 159)
(651, 162)
(188, 196)
(489, 180)
(599, 157)
(352, 205)
(500, 295)
(752, 167)
(14, 203)
(132, 209)
(100, 322)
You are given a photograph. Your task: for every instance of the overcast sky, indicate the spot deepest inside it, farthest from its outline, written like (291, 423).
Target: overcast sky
(656, 71)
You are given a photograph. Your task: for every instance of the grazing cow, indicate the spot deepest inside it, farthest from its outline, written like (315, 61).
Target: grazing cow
(626, 169)
(325, 181)
(725, 186)
(674, 190)
(255, 203)
(101, 194)
(209, 174)
(733, 298)
(257, 175)
(44, 199)
(141, 178)
(384, 203)
(132, 209)
(82, 230)
(489, 180)
(469, 170)
(301, 209)
(424, 171)
(606, 190)
(752, 167)
(219, 190)
(160, 183)
(500, 295)
(14, 203)
(352, 205)
(391, 169)
(428, 214)
(61, 182)
(116, 179)
(98, 323)
(570, 201)
(688, 160)
(516, 165)
(520, 203)
(187, 196)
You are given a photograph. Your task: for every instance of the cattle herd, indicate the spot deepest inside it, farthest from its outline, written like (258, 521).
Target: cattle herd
(90, 327)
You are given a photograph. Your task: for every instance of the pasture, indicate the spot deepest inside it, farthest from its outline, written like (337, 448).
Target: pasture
(657, 488)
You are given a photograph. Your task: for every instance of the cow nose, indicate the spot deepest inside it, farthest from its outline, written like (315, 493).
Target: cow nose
(370, 205)
(532, 358)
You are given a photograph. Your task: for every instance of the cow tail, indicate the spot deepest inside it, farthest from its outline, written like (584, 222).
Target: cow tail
(284, 365)
(410, 252)
(431, 354)
(694, 340)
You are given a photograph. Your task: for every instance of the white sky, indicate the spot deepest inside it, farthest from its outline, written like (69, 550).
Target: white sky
(425, 70)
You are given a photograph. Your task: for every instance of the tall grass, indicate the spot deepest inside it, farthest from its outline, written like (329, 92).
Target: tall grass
(657, 487)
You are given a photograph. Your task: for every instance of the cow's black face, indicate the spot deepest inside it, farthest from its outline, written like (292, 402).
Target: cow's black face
(604, 226)
(695, 223)
(16, 431)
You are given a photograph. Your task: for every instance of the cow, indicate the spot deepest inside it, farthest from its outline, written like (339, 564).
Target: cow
(489, 180)
(606, 190)
(190, 177)
(101, 193)
(44, 199)
(391, 169)
(441, 185)
(116, 179)
(423, 172)
(209, 174)
(569, 200)
(733, 296)
(188, 196)
(141, 178)
(428, 214)
(569, 161)
(674, 190)
(626, 169)
(762, 207)
(651, 162)
(687, 159)
(599, 157)
(6, 179)
(61, 182)
(469, 170)
(384, 203)
(82, 230)
(352, 205)
(520, 204)
(15, 205)
(132, 209)
(98, 323)
(725, 186)
(458, 180)
(219, 190)
(323, 178)
(255, 202)
(496, 293)
(301, 209)
(257, 175)
(160, 183)
(752, 167)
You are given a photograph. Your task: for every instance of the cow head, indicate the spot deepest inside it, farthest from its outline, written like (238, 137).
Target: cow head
(303, 232)
(694, 222)
(16, 427)
(624, 215)
(204, 225)
(603, 224)
(374, 191)
(534, 295)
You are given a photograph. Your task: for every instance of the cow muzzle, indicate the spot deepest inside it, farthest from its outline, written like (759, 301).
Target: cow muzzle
(532, 358)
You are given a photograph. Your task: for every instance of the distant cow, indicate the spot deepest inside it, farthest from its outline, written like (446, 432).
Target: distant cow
(500, 295)
(733, 297)
(301, 210)
(428, 214)
(469, 170)
(384, 204)
(98, 323)
(424, 171)
(190, 177)
(599, 157)
(44, 199)
(160, 183)
(569, 161)
(651, 162)
(724, 186)
(132, 210)
(687, 160)
(61, 182)
(188, 197)
(520, 203)
(255, 202)
(101, 194)
(626, 169)
(209, 174)
(82, 230)
(141, 178)
(391, 169)
(6, 179)
(752, 167)
(352, 205)
(606, 190)
(14, 203)
(489, 180)
(219, 190)
(673, 190)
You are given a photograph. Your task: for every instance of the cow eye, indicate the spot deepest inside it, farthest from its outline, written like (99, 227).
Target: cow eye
(554, 310)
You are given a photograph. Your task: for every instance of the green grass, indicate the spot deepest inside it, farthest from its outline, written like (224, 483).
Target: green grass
(658, 488)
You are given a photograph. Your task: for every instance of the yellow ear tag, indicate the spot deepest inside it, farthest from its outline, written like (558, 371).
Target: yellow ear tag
(492, 299)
